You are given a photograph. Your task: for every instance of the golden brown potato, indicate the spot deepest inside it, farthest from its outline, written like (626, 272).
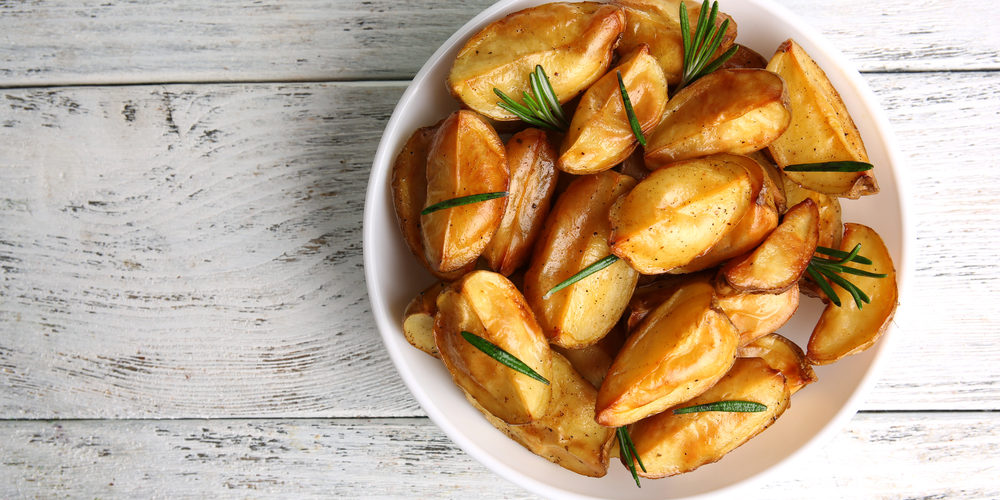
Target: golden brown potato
(567, 435)
(576, 235)
(573, 42)
(533, 175)
(775, 184)
(783, 355)
(418, 319)
(600, 135)
(821, 129)
(678, 351)
(745, 57)
(678, 213)
(466, 157)
(671, 444)
(657, 23)
(592, 362)
(831, 229)
(728, 111)
(756, 314)
(847, 330)
(781, 259)
(488, 305)
(650, 295)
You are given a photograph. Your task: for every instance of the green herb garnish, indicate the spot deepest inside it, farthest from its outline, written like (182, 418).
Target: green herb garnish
(632, 119)
(734, 406)
(830, 166)
(463, 200)
(707, 38)
(587, 271)
(627, 450)
(503, 357)
(826, 271)
(541, 106)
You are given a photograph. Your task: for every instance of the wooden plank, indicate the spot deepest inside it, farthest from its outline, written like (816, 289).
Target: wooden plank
(906, 455)
(196, 252)
(67, 42)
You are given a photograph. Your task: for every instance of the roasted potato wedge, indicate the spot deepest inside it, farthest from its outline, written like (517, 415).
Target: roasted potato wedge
(781, 259)
(576, 235)
(775, 186)
(533, 175)
(783, 355)
(573, 42)
(678, 351)
(466, 157)
(600, 135)
(486, 304)
(831, 229)
(756, 314)
(671, 444)
(418, 319)
(745, 57)
(592, 362)
(728, 111)
(821, 129)
(847, 330)
(678, 213)
(657, 23)
(649, 296)
(567, 435)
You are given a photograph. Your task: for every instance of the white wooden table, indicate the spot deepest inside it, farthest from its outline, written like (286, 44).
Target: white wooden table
(182, 304)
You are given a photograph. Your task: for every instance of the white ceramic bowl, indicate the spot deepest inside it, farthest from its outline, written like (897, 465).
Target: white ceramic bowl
(394, 276)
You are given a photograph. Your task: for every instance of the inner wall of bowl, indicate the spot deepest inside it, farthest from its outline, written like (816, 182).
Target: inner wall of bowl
(395, 277)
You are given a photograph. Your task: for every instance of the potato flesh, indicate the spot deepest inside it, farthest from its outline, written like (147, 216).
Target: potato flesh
(847, 330)
(757, 314)
(465, 158)
(781, 259)
(533, 175)
(671, 444)
(679, 350)
(575, 236)
(573, 42)
(488, 305)
(783, 355)
(831, 229)
(678, 213)
(600, 135)
(821, 128)
(418, 319)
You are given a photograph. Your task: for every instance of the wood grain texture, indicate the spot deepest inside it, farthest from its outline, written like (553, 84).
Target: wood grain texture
(67, 42)
(194, 251)
(878, 456)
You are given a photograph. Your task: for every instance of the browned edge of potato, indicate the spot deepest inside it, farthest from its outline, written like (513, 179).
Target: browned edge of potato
(418, 319)
(783, 355)
(756, 314)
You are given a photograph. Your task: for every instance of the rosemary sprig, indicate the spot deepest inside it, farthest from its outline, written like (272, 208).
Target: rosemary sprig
(707, 38)
(587, 271)
(830, 166)
(627, 450)
(733, 406)
(541, 107)
(463, 200)
(632, 119)
(826, 271)
(503, 357)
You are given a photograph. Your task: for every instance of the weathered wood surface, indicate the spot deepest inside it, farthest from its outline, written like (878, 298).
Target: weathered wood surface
(68, 42)
(877, 456)
(194, 251)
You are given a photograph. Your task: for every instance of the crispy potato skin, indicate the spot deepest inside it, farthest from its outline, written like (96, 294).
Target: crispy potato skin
(418, 319)
(785, 356)
(573, 42)
(678, 213)
(488, 305)
(533, 176)
(600, 135)
(847, 330)
(678, 351)
(728, 111)
(781, 259)
(745, 57)
(671, 444)
(466, 157)
(575, 236)
(567, 435)
(821, 128)
(756, 314)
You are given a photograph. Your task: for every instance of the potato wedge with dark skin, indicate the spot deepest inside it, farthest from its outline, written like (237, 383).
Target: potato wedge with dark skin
(781, 259)
(573, 42)
(567, 435)
(821, 129)
(680, 212)
(592, 362)
(783, 355)
(745, 57)
(465, 158)
(575, 236)
(734, 111)
(533, 176)
(418, 319)
(756, 314)
(488, 305)
(600, 135)
(844, 330)
(679, 350)
(671, 444)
